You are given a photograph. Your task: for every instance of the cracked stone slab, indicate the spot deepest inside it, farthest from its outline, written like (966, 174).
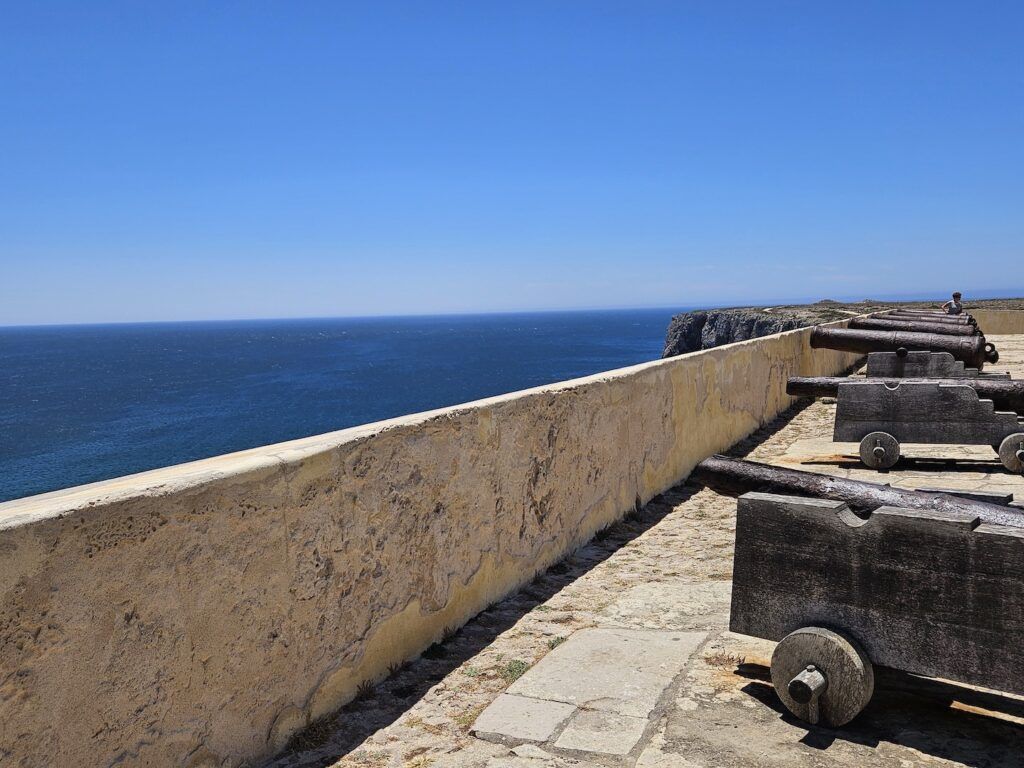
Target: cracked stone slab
(518, 718)
(609, 669)
(602, 733)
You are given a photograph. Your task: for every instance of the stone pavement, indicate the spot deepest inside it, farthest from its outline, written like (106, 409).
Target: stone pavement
(608, 681)
(619, 655)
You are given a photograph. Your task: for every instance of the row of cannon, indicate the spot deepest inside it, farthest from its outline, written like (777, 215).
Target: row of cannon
(912, 330)
(922, 386)
(843, 574)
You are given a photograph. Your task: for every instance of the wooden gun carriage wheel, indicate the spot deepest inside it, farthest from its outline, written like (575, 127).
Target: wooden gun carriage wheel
(822, 676)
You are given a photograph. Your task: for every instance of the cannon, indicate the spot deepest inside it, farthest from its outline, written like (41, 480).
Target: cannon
(946, 319)
(941, 318)
(1005, 394)
(923, 365)
(932, 320)
(734, 477)
(919, 311)
(880, 416)
(972, 350)
(885, 324)
(934, 594)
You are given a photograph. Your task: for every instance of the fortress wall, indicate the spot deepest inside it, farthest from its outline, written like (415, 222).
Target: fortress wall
(200, 614)
(995, 322)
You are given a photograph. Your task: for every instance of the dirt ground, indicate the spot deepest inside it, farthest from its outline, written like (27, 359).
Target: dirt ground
(669, 566)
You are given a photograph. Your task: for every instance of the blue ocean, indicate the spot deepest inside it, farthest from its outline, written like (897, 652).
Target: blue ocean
(90, 402)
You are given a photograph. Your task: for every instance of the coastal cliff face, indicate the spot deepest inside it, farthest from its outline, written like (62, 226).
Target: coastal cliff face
(703, 329)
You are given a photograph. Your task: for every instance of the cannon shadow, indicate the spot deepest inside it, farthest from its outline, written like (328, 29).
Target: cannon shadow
(969, 726)
(912, 464)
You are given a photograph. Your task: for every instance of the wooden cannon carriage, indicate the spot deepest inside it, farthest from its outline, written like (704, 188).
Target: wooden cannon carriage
(882, 414)
(921, 364)
(932, 593)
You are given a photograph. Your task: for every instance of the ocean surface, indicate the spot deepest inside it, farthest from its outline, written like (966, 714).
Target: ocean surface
(85, 403)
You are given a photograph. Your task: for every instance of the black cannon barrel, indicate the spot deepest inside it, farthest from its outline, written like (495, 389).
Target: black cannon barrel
(972, 350)
(939, 312)
(969, 320)
(962, 320)
(735, 477)
(1006, 394)
(928, 320)
(918, 326)
(943, 319)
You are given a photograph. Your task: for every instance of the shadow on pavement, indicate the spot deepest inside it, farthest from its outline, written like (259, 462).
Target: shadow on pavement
(944, 720)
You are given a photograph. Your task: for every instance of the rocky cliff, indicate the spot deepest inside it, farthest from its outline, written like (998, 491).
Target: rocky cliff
(703, 329)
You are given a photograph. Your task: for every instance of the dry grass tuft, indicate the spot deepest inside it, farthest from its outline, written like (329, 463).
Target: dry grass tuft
(724, 660)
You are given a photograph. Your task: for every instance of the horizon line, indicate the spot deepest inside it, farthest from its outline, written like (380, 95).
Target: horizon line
(891, 298)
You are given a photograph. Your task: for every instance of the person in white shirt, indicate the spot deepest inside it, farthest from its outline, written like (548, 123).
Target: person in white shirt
(954, 306)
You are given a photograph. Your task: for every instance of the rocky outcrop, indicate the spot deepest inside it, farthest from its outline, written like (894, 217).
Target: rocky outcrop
(706, 328)
(703, 329)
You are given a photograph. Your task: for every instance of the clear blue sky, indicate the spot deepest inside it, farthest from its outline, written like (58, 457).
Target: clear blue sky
(222, 160)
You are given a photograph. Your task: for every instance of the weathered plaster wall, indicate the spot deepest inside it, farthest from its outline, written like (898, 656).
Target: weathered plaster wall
(995, 322)
(198, 615)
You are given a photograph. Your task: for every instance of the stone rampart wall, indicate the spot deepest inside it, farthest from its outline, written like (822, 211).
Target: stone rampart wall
(999, 321)
(199, 615)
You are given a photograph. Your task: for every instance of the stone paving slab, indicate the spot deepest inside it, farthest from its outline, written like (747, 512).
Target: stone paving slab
(605, 682)
(519, 718)
(624, 671)
(688, 605)
(602, 733)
